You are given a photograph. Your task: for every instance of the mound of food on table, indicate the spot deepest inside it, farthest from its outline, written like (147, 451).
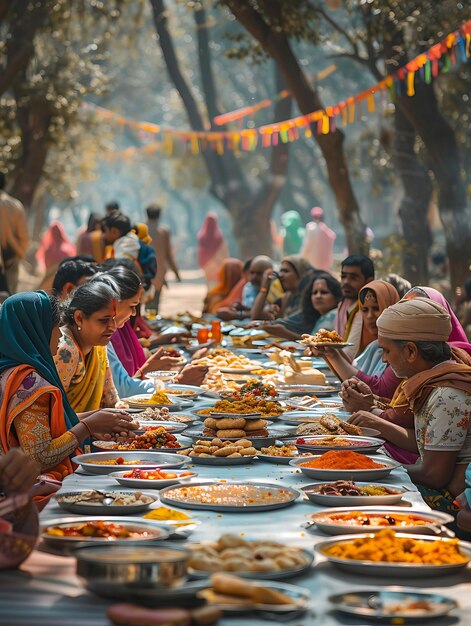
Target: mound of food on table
(150, 440)
(232, 553)
(266, 408)
(254, 388)
(322, 336)
(218, 448)
(387, 547)
(234, 427)
(328, 424)
(343, 460)
(349, 488)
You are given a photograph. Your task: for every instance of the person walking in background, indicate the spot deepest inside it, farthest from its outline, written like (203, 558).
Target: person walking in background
(14, 239)
(212, 249)
(162, 244)
(55, 246)
(318, 245)
(90, 239)
(292, 232)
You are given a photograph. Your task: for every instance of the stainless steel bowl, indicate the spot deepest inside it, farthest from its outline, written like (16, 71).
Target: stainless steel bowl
(117, 570)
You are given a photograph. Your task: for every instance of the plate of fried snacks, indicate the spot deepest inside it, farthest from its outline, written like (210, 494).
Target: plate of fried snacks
(345, 465)
(155, 439)
(320, 443)
(346, 520)
(234, 594)
(65, 534)
(107, 462)
(95, 502)
(230, 497)
(266, 559)
(349, 493)
(403, 605)
(152, 478)
(217, 452)
(388, 553)
(325, 338)
(278, 454)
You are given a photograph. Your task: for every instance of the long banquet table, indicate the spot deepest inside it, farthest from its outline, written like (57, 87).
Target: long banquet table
(46, 591)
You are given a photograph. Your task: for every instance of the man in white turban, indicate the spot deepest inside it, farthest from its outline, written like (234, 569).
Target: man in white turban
(413, 334)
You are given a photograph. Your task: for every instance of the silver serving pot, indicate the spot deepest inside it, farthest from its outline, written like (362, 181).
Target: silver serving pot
(116, 569)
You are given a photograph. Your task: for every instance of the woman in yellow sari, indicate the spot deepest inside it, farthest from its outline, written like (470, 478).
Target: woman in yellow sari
(81, 359)
(35, 414)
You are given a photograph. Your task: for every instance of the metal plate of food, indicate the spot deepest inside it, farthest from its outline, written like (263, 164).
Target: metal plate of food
(231, 497)
(353, 554)
(107, 462)
(301, 599)
(384, 466)
(268, 560)
(93, 502)
(349, 493)
(391, 604)
(66, 534)
(152, 478)
(347, 520)
(323, 443)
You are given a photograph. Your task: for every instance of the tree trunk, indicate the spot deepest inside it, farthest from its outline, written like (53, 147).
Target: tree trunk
(250, 208)
(415, 202)
(422, 112)
(34, 123)
(439, 138)
(276, 44)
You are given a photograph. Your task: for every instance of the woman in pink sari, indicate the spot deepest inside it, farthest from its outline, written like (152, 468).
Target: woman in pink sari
(212, 249)
(457, 338)
(55, 246)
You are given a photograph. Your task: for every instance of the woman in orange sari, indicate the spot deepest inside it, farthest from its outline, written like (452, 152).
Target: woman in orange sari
(35, 413)
(229, 275)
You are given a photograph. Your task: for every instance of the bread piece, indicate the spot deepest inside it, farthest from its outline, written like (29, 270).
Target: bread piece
(262, 432)
(243, 443)
(265, 595)
(255, 425)
(351, 429)
(210, 422)
(308, 376)
(224, 423)
(226, 451)
(231, 585)
(231, 433)
(248, 451)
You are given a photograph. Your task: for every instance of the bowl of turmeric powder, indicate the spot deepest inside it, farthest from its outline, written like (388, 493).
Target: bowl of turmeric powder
(344, 465)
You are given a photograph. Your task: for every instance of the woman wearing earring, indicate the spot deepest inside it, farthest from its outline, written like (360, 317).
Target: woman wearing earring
(35, 413)
(81, 359)
(124, 346)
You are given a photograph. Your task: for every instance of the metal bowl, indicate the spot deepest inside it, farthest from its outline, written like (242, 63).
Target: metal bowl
(117, 570)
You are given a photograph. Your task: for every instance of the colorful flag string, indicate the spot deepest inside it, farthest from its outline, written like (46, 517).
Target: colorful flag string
(453, 49)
